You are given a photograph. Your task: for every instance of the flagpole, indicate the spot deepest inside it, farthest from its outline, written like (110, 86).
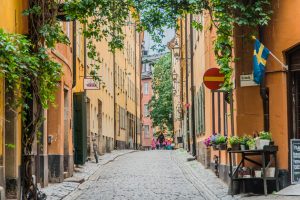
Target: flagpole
(283, 65)
(277, 59)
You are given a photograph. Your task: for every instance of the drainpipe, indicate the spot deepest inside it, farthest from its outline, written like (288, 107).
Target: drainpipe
(192, 87)
(181, 87)
(264, 93)
(135, 91)
(115, 117)
(186, 87)
(74, 54)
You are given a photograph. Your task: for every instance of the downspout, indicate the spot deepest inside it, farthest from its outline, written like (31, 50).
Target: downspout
(114, 81)
(264, 93)
(181, 86)
(74, 54)
(115, 118)
(192, 86)
(186, 87)
(135, 91)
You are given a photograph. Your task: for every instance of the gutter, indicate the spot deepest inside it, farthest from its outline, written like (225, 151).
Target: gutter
(74, 49)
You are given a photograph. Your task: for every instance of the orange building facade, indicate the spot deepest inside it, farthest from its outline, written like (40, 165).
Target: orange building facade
(247, 112)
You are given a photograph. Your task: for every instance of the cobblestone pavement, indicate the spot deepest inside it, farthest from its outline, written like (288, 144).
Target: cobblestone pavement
(61, 190)
(141, 175)
(212, 186)
(151, 175)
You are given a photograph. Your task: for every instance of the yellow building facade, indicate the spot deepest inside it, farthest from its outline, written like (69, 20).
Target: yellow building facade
(12, 21)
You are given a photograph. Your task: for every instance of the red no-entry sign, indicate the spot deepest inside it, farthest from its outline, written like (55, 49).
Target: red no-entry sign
(213, 79)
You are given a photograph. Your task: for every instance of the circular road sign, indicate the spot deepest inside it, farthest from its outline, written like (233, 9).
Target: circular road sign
(213, 79)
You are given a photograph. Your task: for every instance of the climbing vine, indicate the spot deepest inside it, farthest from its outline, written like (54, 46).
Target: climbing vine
(32, 75)
(225, 16)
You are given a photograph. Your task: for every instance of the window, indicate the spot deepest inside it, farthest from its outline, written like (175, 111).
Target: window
(146, 131)
(148, 67)
(122, 119)
(144, 68)
(146, 88)
(146, 111)
(200, 111)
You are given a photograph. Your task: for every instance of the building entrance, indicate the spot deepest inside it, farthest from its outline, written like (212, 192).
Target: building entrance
(293, 60)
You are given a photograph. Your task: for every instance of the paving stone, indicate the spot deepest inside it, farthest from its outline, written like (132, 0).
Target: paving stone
(148, 175)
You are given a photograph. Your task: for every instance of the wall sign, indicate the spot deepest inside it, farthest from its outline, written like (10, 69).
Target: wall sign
(247, 80)
(295, 161)
(90, 84)
(213, 79)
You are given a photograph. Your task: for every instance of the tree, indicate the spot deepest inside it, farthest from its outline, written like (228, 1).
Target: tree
(161, 103)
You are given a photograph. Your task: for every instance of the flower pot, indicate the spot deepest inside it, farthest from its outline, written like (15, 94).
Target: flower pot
(207, 158)
(257, 173)
(270, 172)
(235, 147)
(252, 147)
(215, 147)
(261, 143)
(222, 146)
(243, 147)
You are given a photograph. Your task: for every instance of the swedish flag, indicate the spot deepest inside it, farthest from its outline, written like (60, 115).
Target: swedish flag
(260, 57)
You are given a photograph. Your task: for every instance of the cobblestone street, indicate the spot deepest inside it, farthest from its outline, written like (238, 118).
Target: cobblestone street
(147, 175)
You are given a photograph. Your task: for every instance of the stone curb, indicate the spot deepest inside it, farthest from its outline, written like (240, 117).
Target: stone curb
(71, 190)
(197, 180)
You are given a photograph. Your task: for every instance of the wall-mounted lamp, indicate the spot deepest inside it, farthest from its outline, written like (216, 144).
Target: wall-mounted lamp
(174, 75)
(176, 49)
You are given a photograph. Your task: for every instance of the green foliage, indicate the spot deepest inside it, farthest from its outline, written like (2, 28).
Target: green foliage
(21, 68)
(161, 102)
(251, 143)
(221, 139)
(225, 16)
(264, 135)
(234, 140)
(245, 139)
(10, 146)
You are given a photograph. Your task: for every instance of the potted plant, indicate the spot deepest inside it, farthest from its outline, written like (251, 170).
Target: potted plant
(235, 142)
(207, 142)
(244, 141)
(213, 141)
(251, 144)
(263, 139)
(221, 142)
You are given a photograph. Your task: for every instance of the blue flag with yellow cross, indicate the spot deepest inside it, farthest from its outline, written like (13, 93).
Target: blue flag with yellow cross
(260, 57)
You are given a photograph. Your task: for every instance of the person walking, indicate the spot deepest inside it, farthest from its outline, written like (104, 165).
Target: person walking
(153, 144)
(161, 139)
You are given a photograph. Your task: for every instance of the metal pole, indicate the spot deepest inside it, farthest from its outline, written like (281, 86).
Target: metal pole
(192, 87)
(135, 91)
(187, 86)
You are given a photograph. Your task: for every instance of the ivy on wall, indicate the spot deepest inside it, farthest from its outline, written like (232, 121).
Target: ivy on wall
(32, 74)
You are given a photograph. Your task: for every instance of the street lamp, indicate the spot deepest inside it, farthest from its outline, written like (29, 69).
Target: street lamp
(176, 49)
(174, 75)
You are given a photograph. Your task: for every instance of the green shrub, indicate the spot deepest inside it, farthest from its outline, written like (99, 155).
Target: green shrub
(221, 139)
(234, 140)
(265, 135)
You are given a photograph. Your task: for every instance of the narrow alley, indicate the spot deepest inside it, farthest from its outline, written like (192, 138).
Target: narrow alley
(147, 175)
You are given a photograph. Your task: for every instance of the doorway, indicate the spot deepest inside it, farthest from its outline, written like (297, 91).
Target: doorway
(99, 116)
(66, 132)
(293, 61)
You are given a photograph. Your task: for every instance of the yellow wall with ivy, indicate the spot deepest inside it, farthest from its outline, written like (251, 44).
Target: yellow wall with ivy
(11, 21)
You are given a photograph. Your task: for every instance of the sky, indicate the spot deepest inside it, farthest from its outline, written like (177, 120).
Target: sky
(169, 34)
